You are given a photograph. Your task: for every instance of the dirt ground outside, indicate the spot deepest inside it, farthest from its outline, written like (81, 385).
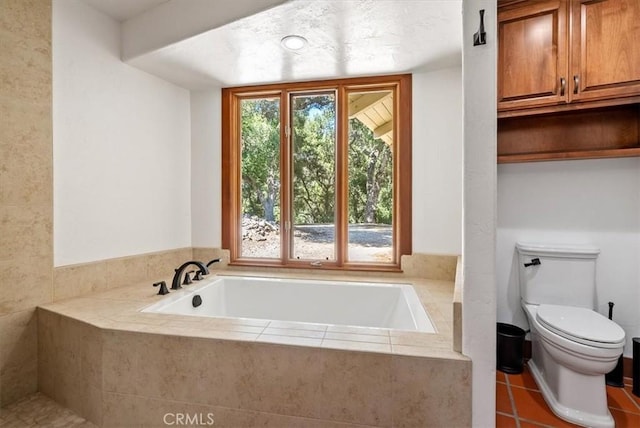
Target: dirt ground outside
(367, 242)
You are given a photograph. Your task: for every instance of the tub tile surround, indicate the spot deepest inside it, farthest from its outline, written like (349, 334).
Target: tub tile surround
(26, 191)
(417, 265)
(457, 307)
(86, 278)
(122, 408)
(430, 266)
(18, 354)
(104, 298)
(249, 372)
(206, 254)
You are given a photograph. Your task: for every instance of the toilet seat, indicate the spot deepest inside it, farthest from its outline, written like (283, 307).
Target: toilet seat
(581, 325)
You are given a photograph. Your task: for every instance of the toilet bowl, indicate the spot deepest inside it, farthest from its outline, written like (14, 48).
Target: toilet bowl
(573, 348)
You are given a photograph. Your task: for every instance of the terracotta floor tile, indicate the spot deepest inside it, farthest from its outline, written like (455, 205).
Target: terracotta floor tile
(618, 399)
(525, 424)
(531, 406)
(625, 419)
(524, 379)
(503, 402)
(503, 421)
(635, 398)
(533, 412)
(500, 377)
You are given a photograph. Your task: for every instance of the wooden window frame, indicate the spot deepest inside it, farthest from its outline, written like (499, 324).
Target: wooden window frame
(402, 176)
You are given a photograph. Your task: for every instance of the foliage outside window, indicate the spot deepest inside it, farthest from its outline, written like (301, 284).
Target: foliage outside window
(318, 174)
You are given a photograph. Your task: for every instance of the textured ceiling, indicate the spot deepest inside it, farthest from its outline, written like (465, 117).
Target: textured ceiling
(346, 38)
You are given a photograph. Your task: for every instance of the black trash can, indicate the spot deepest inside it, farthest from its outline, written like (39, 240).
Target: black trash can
(510, 348)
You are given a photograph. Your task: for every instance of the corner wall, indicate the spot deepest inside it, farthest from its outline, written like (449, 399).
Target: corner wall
(122, 149)
(479, 207)
(26, 236)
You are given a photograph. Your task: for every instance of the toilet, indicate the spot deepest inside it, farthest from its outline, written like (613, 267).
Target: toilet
(573, 346)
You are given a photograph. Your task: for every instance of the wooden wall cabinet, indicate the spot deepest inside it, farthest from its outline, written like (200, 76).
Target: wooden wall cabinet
(605, 49)
(560, 52)
(532, 55)
(568, 79)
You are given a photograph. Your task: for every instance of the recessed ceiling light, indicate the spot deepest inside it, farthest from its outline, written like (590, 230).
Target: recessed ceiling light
(293, 42)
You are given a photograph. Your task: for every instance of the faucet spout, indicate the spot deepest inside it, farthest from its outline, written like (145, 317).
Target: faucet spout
(175, 284)
(213, 261)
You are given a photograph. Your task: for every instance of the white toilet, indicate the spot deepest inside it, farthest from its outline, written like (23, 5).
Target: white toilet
(573, 346)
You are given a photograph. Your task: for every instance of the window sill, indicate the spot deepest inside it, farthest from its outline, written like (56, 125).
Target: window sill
(352, 267)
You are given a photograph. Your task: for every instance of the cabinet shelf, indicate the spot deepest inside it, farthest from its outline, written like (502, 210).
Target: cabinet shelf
(581, 134)
(581, 154)
(564, 108)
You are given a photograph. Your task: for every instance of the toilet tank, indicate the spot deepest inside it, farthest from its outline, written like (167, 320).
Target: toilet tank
(566, 274)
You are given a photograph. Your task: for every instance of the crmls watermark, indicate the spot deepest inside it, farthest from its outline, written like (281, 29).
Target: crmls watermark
(190, 419)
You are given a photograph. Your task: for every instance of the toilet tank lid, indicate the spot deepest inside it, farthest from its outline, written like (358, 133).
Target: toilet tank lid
(558, 250)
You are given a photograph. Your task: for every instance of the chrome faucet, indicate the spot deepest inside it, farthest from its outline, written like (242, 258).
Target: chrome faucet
(175, 284)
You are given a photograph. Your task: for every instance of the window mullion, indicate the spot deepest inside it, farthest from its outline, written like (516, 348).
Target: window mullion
(342, 127)
(285, 177)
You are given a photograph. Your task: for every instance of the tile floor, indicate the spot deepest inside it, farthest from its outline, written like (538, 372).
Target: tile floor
(37, 410)
(519, 404)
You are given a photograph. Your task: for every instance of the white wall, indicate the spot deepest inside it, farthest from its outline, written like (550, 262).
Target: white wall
(437, 165)
(581, 201)
(206, 111)
(479, 208)
(121, 142)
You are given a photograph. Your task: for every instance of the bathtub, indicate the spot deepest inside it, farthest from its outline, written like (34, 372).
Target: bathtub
(363, 304)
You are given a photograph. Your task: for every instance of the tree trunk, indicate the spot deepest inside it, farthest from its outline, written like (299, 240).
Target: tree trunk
(377, 165)
(268, 199)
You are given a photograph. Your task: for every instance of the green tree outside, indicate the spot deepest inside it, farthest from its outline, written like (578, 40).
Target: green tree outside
(314, 127)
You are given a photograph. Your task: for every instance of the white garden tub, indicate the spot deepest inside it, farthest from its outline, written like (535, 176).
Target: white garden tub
(364, 304)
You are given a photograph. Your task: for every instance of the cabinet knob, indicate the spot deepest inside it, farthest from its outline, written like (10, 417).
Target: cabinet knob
(563, 85)
(576, 84)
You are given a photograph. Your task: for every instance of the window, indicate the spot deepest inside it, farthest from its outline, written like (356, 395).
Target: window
(318, 174)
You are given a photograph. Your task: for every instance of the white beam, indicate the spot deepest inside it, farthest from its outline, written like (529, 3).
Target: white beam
(177, 20)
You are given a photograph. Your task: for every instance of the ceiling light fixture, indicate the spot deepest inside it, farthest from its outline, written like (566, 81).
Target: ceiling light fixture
(293, 42)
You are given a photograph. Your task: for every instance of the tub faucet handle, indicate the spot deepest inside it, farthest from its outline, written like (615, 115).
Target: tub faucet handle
(197, 276)
(187, 278)
(534, 262)
(163, 287)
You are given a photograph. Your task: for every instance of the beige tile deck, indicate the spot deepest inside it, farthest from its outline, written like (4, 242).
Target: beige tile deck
(119, 309)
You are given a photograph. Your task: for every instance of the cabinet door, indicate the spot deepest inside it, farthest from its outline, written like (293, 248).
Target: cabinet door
(532, 55)
(605, 49)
